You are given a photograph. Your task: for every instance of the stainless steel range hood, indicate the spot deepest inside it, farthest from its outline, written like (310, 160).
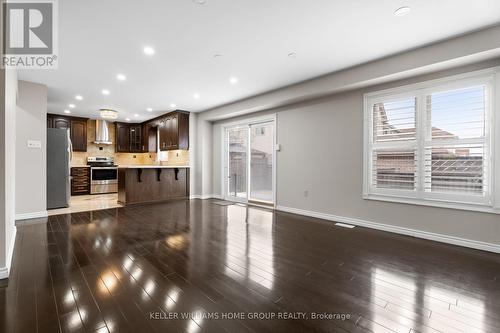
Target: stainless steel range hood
(102, 133)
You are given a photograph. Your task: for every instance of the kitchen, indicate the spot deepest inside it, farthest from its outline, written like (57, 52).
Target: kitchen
(85, 158)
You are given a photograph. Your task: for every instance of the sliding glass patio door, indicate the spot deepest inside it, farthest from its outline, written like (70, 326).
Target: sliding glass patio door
(238, 162)
(261, 162)
(249, 162)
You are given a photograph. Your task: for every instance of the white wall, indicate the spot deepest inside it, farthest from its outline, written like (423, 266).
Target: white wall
(203, 159)
(31, 164)
(314, 120)
(3, 176)
(193, 137)
(8, 88)
(314, 157)
(464, 50)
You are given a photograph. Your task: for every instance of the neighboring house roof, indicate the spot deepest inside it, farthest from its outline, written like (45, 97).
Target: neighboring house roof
(454, 162)
(404, 133)
(241, 148)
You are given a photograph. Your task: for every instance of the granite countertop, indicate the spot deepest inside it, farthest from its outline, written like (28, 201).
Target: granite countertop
(153, 166)
(80, 166)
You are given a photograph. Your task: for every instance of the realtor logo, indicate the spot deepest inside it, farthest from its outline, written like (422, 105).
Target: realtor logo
(30, 35)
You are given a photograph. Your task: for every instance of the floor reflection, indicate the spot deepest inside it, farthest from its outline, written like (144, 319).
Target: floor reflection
(177, 242)
(108, 270)
(403, 302)
(110, 282)
(249, 245)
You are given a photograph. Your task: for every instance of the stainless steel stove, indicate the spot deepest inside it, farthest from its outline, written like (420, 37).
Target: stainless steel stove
(103, 175)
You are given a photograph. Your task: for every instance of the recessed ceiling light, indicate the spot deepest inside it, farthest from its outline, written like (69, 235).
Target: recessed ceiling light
(67, 111)
(72, 106)
(196, 96)
(79, 97)
(402, 11)
(200, 2)
(149, 109)
(127, 119)
(121, 77)
(149, 50)
(172, 105)
(233, 80)
(292, 55)
(136, 115)
(105, 92)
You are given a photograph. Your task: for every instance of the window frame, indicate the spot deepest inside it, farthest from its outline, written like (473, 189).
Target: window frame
(487, 203)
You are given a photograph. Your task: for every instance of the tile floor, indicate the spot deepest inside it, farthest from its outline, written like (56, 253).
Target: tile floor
(85, 203)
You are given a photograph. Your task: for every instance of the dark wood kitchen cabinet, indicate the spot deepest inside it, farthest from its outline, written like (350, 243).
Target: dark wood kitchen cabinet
(122, 137)
(135, 138)
(128, 138)
(60, 122)
(77, 127)
(149, 137)
(80, 180)
(78, 132)
(174, 131)
(163, 133)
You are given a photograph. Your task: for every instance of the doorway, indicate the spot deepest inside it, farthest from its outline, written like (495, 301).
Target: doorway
(249, 163)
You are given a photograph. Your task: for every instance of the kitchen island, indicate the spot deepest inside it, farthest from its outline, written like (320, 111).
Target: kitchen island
(140, 184)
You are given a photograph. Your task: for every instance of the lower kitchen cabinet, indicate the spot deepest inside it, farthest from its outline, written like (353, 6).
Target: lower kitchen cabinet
(80, 180)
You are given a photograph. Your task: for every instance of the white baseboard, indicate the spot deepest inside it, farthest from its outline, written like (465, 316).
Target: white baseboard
(205, 196)
(33, 215)
(4, 273)
(398, 230)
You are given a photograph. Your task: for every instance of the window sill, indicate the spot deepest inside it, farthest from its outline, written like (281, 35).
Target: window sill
(433, 203)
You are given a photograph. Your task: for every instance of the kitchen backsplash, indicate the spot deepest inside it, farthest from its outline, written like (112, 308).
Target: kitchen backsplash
(173, 157)
(176, 157)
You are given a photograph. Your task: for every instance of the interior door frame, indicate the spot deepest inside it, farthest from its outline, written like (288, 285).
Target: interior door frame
(271, 118)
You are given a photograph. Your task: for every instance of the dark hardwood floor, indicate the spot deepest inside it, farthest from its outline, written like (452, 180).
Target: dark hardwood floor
(134, 269)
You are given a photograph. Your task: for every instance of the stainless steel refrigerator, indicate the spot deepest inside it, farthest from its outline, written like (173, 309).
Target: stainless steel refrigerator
(58, 168)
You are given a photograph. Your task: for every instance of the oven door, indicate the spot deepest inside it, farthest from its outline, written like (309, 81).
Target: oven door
(103, 180)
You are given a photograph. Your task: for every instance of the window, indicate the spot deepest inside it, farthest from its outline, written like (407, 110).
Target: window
(431, 143)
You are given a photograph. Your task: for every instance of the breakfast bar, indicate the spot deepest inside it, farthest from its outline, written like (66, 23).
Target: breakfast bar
(140, 184)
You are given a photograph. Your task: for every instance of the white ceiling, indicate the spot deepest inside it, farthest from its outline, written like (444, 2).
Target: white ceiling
(99, 39)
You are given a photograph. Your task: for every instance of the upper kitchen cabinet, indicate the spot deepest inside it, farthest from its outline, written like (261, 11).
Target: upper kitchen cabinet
(128, 138)
(78, 132)
(149, 137)
(122, 137)
(135, 138)
(61, 122)
(174, 131)
(163, 133)
(77, 128)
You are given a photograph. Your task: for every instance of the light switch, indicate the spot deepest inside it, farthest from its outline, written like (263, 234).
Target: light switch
(278, 147)
(34, 144)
